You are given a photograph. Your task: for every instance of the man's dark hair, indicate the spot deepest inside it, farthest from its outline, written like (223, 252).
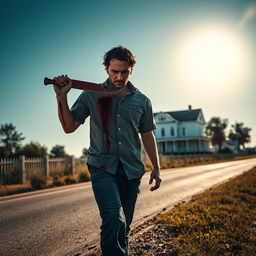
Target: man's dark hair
(120, 53)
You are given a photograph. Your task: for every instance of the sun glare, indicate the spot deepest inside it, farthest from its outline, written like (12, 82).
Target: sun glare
(211, 58)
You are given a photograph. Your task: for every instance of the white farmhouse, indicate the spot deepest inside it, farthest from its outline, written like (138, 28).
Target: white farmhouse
(181, 131)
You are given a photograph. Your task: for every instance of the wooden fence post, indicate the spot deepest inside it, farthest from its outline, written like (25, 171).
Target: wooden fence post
(72, 165)
(22, 170)
(46, 166)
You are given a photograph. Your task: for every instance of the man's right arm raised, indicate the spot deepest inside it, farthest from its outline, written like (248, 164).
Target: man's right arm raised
(64, 84)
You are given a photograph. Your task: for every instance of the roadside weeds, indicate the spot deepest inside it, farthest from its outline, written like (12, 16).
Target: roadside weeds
(220, 221)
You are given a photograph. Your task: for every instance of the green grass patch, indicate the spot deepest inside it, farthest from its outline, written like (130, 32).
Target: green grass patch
(221, 221)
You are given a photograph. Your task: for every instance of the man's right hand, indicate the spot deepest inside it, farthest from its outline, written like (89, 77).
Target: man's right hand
(62, 86)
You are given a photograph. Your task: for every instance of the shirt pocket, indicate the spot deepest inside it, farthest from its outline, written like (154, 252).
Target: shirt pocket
(135, 113)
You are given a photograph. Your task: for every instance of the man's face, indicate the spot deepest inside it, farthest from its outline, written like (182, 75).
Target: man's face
(118, 72)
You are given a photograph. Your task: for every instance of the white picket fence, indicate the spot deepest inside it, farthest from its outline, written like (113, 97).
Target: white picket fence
(19, 170)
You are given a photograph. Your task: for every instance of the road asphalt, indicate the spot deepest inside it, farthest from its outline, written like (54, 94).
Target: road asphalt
(60, 221)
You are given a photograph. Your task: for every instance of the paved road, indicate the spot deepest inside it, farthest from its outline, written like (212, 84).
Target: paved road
(60, 220)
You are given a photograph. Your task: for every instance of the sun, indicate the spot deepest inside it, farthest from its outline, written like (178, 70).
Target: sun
(211, 58)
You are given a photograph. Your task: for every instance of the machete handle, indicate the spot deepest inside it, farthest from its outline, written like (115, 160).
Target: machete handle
(48, 81)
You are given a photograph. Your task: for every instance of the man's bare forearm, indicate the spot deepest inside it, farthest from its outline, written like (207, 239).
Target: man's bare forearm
(65, 116)
(150, 147)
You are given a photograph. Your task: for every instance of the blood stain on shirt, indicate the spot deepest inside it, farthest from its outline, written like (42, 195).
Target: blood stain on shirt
(104, 108)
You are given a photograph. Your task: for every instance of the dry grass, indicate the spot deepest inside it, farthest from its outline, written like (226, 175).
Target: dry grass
(11, 189)
(221, 221)
(166, 162)
(51, 182)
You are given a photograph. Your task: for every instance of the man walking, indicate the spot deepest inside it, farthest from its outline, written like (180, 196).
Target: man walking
(116, 124)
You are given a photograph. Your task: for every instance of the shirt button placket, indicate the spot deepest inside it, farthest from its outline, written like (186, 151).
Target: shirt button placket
(118, 129)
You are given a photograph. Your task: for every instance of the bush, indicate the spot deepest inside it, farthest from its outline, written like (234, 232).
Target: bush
(84, 176)
(58, 181)
(37, 181)
(70, 180)
(225, 151)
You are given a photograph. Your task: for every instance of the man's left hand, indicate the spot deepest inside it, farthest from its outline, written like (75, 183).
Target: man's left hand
(155, 175)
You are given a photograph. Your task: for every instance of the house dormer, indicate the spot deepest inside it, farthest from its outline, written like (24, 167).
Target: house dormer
(200, 118)
(162, 117)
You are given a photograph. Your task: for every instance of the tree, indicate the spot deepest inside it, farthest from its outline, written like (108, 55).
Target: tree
(33, 149)
(58, 151)
(240, 134)
(10, 140)
(215, 130)
(85, 152)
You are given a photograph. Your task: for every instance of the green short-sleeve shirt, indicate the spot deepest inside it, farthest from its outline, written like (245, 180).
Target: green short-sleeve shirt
(115, 124)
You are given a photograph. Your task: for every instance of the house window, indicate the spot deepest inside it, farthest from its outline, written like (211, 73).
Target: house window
(164, 149)
(162, 132)
(172, 131)
(183, 131)
(161, 118)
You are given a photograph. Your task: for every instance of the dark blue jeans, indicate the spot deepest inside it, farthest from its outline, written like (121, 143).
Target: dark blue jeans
(116, 197)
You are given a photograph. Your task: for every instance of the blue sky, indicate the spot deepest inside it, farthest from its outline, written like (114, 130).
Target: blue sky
(49, 38)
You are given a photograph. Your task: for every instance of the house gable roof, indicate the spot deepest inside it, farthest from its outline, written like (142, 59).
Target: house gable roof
(185, 115)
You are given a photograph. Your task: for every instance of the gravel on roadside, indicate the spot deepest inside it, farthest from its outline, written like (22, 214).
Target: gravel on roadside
(147, 239)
